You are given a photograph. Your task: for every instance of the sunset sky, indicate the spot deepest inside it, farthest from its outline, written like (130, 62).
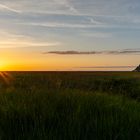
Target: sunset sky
(69, 34)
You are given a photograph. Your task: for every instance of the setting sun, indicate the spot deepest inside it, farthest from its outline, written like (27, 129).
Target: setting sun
(3, 66)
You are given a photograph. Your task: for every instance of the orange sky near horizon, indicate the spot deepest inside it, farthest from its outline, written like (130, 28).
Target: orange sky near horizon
(34, 61)
(64, 35)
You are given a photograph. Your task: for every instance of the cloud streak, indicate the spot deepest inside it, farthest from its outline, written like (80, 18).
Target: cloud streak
(11, 40)
(63, 25)
(71, 52)
(128, 51)
(67, 4)
(2, 6)
(24, 44)
(107, 67)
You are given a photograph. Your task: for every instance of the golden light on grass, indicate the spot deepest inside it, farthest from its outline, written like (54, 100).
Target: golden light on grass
(6, 77)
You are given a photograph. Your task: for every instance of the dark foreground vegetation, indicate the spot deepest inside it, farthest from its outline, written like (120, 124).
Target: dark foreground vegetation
(70, 106)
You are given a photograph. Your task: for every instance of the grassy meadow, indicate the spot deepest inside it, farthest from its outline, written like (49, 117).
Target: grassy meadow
(69, 106)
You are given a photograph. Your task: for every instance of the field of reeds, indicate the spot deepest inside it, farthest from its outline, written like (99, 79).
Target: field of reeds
(69, 106)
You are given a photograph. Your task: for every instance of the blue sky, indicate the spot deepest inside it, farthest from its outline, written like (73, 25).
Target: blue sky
(40, 26)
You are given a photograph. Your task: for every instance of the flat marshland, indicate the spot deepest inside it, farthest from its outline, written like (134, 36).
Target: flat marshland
(69, 106)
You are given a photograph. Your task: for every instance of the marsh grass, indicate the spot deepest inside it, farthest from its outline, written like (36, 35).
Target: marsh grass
(35, 107)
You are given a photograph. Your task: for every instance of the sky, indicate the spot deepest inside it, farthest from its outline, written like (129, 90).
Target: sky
(50, 35)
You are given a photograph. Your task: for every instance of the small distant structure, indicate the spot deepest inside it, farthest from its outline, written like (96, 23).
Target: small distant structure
(137, 69)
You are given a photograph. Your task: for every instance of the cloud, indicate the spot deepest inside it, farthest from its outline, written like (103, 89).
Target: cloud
(88, 7)
(68, 19)
(2, 6)
(23, 44)
(62, 25)
(67, 4)
(93, 21)
(71, 52)
(132, 49)
(69, 14)
(11, 40)
(94, 52)
(107, 67)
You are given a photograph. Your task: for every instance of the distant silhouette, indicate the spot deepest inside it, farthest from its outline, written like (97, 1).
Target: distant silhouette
(137, 69)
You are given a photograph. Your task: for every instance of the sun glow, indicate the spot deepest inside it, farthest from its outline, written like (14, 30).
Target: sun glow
(6, 77)
(3, 66)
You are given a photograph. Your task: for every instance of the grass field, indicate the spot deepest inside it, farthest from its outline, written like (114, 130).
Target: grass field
(70, 106)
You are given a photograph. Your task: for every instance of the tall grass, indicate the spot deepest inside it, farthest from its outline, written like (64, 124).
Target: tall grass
(52, 111)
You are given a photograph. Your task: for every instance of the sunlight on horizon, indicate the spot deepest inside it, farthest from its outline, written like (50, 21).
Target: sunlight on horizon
(6, 77)
(3, 66)
(69, 35)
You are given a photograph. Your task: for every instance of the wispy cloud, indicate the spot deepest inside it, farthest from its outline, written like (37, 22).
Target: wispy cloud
(93, 21)
(62, 25)
(79, 21)
(94, 52)
(24, 44)
(11, 40)
(107, 67)
(67, 4)
(61, 19)
(5, 7)
(132, 49)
